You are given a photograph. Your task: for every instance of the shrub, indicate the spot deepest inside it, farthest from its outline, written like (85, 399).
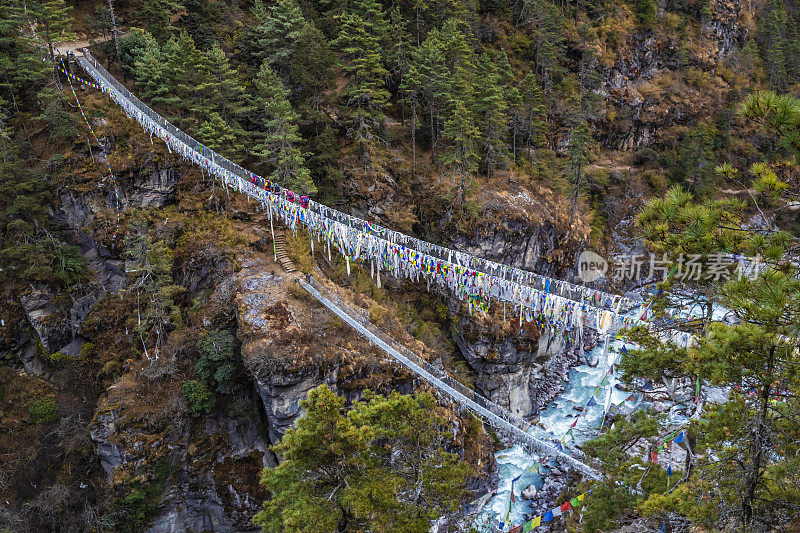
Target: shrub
(645, 12)
(87, 350)
(217, 365)
(43, 410)
(199, 399)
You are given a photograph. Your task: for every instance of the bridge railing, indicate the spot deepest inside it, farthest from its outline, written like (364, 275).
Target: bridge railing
(496, 416)
(253, 185)
(438, 372)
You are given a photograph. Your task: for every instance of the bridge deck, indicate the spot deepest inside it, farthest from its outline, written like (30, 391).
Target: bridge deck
(498, 417)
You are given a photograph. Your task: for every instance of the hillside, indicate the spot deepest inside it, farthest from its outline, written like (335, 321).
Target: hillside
(161, 370)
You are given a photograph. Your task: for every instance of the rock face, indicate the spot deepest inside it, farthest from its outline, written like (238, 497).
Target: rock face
(151, 184)
(111, 455)
(282, 393)
(517, 246)
(641, 86)
(56, 320)
(521, 373)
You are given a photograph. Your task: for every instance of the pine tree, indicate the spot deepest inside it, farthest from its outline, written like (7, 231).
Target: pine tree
(365, 94)
(399, 48)
(535, 118)
(216, 134)
(184, 66)
(461, 133)
(221, 90)
(281, 33)
(490, 113)
(279, 141)
(772, 33)
(52, 24)
(24, 72)
(580, 145)
(371, 12)
(366, 469)
(425, 76)
(153, 73)
(155, 14)
(549, 41)
(312, 70)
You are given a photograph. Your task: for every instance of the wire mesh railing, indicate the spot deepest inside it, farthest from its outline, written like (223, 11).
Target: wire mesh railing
(253, 185)
(498, 417)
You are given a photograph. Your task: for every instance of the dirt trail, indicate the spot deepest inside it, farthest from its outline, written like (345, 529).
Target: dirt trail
(77, 46)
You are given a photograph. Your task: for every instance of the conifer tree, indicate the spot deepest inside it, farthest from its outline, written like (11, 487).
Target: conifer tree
(399, 49)
(490, 113)
(279, 141)
(221, 90)
(281, 34)
(534, 122)
(425, 77)
(24, 72)
(52, 24)
(580, 145)
(772, 34)
(371, 12)
(367, 469)
(549, 41)
(184, 72)
(359, 39)
(216, 134)
(461, 133)
(154, 75)
(515, 118)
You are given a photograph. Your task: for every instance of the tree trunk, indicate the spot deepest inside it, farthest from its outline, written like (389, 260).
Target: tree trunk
(433, 136)
(413, 139)
(753, 475)
(575, 199)
(55, 64)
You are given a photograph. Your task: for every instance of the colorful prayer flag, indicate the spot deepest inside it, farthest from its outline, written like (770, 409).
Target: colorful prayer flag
(536, 522)
(566, 506)
(591, 402)
(547, 517)
(679, 438)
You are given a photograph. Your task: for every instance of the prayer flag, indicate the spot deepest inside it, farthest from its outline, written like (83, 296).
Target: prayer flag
(654, 457)
(536, 522)
(580, 497)
(566, 506)
(679, 438)
(669, 470)
(517, 529)
(574, 502)
(556, 512)
(591, 402)
(547, 517)
(527, 526)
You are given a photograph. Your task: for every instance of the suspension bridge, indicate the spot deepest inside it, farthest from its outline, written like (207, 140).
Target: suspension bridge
(568, 306)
